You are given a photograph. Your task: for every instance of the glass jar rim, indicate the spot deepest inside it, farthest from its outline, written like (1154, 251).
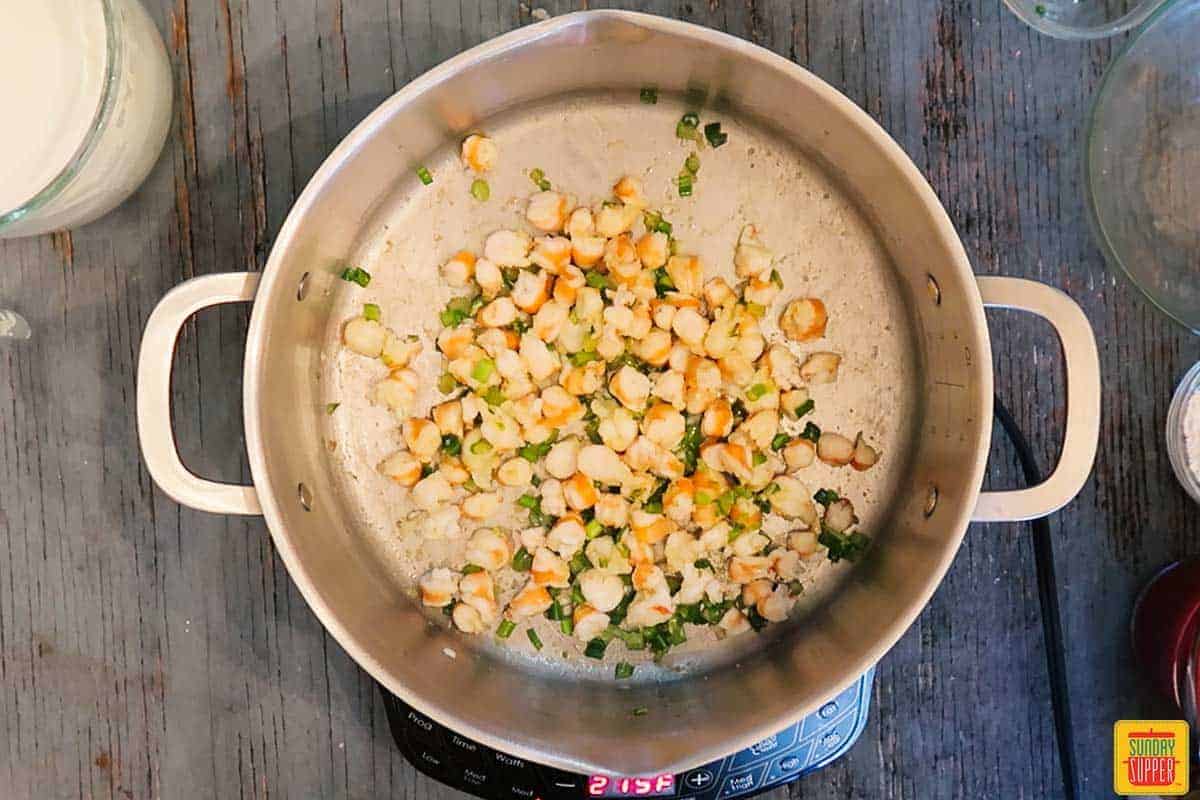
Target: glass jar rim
(100, 120)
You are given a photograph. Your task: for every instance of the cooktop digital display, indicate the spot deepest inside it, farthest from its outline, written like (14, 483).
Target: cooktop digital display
(611, 786)
(808, 745)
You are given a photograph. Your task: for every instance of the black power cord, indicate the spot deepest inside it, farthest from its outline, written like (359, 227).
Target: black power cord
(1056, 662)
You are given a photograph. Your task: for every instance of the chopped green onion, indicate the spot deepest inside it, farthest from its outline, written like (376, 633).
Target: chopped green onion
(811, 432)
(505, 629)
(555, 611)
(534, 452)
(483, 369)
(843, 545)
(522, 560)
(480, 189)
(653, 504)
(649, 95)
(1040, 10)
(595, 648)
(577, 594)
(508, 276)
(734, 532)
(756, 391)
(426, 470)
(493, 396)
(795, 588)
(446, 383)
(624, 670)
(756, 310)
(692, 163)
(663, 282)
(690, 613)
(566, 625)
(371, 312)
(528, 501)
(583, 357)
(451, 444)
(675, 632)
(685, 184)
(690, 119)
(331, 407)
(776, 278)
(641, 711)
(759, 459)
(537, 175)
(703, 498)
(471, 569)
(356, 275)
(805, 407)
(703, 563)
(425, 176)
(825, 496)
(480, 447)
(780, 441)
(534, 639)
(712, 132)
(689, 447)
(593, 529)
(579, 562)
(655, 223)
(598, 280)
(521, 324)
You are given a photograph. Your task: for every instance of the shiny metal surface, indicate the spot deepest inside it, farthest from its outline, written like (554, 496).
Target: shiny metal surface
(588, 725)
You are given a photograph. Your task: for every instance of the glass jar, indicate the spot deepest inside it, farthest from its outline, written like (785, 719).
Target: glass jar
(130, 110)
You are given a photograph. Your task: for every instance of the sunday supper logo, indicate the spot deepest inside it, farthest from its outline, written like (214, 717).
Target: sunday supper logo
(1150, 757)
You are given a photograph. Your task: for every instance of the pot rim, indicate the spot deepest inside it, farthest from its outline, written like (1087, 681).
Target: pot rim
(313, 594)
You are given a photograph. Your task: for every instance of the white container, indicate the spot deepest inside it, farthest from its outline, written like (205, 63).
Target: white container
(87, 90)
(1186, 470)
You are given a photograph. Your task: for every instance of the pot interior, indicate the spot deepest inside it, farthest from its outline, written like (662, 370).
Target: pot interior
(850, 221)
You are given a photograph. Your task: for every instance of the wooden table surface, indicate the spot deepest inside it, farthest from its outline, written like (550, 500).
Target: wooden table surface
(152, 651)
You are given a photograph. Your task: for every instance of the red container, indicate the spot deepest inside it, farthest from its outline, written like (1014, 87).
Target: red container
(1166, 633)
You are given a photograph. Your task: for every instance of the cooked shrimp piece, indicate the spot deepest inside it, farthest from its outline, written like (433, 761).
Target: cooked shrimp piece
(478, 591)
(649, 528)
(498, 313)
(793, 500)
(718, 293)
(654, 347)
(653, 249)
(804, 543)
(548, 322)
(580, 492)
(549, 569)
(630, 387)
(687, 274)
(468, 619)
(587, 251)
(589, 623)
(481, 506)
(422, 437)
(479, 153)
(734, 622)
(529, 602)
(752, 259)
(567, 535)
(762, 293)
(835, 449)
(602, 589)
(580, 223)
(663, 425)
(402, 467)
(437, 587)
(718, 419)
(364, 336)
(678, 500)
(650, 610)
(531, 291)
(551, 253)
(515, 472)
(432, 491)
(865, 456)
(798, 454)
(553, 502)
(618, 430)
(459, 270)
(613, 219)
(548, 211)
(629, 190)
(804, 320)
(602, 464)
(488, 548)
(612, 511)
(563, 458)
(744, 569)
(507, 249)
(669, 387)
(453, 342)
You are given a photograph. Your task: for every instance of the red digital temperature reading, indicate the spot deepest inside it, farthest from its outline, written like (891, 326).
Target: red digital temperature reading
(611, 786)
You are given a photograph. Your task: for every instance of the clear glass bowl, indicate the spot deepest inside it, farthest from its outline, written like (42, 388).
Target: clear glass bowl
(1142, 161)
(1176, 444)
(126, 135)
(1082, 19)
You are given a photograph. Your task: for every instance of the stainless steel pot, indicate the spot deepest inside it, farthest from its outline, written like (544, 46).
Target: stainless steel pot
(556, 718)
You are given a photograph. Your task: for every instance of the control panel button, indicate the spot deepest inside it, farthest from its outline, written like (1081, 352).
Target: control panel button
(766, 748)
(742, 782)
(699, 780)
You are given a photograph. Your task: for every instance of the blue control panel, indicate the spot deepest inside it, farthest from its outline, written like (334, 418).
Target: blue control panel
(814, 742)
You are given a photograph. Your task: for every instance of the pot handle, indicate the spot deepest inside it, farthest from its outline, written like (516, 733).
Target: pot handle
(1082, 436)
(155, 433)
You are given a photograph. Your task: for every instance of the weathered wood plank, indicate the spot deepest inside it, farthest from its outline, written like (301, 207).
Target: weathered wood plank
(151, 651)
